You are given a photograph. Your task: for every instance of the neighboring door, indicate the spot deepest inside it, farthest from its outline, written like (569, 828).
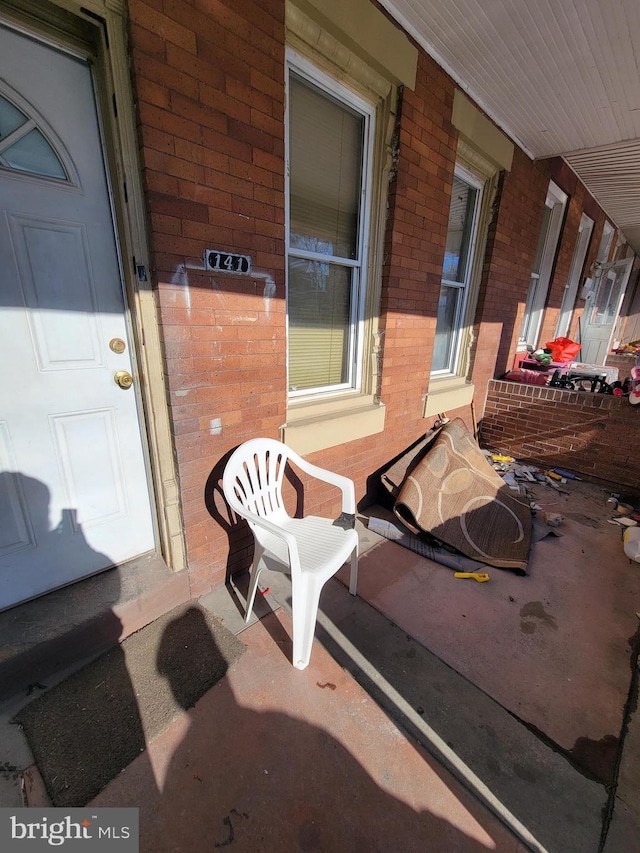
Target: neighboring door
(74, 494)
(601, 310)
(575, 274)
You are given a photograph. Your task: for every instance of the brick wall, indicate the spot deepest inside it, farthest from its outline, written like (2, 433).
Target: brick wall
(511, 249)
(210, 98)
(591, 434)
(209, 83)
(209, 89)
(419, 200)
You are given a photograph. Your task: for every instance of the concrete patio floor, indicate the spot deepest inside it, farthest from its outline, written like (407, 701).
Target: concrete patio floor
(555, 648)
(436, 714)
(273, 759)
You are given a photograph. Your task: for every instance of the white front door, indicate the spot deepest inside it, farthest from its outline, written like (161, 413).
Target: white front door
(601, 310)
(74, 494)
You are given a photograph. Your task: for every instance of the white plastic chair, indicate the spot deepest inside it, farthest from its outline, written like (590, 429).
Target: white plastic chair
(311, 549)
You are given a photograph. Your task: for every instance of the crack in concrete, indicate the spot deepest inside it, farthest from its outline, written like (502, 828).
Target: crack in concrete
(630, 707)
(567, 754)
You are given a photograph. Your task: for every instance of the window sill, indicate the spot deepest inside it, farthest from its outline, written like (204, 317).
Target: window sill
(317, 426)
(447, 394)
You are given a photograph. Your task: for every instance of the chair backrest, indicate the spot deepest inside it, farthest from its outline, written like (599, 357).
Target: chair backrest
(253, 476)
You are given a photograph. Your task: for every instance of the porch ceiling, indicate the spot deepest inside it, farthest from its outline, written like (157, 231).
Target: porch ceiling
(560, 77)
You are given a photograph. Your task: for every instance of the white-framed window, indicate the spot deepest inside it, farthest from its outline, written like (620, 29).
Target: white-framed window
(552, 219)
(329, 151)
(606, 240)
(575, 276)
(26, 143)
(462, 230)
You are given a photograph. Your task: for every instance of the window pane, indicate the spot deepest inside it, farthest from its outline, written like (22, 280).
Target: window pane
(605, 242)
(10, 118)
(319, 324)
(463, 201)
(542, 239)
(541, 273)
(445, 328)
(32, 153)
(325, 149)
(604, 308)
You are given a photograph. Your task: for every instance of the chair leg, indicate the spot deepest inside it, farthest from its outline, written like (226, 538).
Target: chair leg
(304, 599)
(353, 577)
(254, 574)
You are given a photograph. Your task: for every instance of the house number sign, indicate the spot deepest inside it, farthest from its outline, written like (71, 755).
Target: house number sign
(225, 262)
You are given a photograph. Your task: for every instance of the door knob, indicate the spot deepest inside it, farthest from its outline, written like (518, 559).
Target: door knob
(123, 378)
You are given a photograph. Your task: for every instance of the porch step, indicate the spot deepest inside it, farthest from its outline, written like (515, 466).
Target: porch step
(65, 629)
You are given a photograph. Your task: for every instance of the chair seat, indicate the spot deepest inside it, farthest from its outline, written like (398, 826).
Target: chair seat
(321, 545)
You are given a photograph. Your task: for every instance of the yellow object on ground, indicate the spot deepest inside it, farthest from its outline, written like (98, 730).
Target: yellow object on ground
(481, 577)
(498, 457)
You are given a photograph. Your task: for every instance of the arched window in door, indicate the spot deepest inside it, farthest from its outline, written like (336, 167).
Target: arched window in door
(24, 146)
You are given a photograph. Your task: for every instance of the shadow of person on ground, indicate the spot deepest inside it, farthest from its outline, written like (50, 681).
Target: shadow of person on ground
(87, 727)
(267, 781)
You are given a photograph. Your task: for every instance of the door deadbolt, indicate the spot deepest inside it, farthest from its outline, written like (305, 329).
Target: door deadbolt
(117, 345)
(123, 378)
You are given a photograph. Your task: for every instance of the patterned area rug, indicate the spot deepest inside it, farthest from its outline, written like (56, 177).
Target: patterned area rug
(451, 492)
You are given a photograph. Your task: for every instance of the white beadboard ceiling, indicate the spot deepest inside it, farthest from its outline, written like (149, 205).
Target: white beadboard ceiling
(560, 77)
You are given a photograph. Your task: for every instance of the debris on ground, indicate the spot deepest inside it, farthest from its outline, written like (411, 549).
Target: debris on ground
(521, 477)
(568, 475)
(481, 577)
(397, 532)
(633, 348)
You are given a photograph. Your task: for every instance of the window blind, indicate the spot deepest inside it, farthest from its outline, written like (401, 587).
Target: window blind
(326, 143)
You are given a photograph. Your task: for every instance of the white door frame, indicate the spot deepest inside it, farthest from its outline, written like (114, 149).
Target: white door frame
(556, 200)
(606, 239)
(575, 274)
(107, 22)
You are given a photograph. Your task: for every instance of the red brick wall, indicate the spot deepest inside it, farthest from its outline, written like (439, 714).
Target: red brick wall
(210, 98)
(209, 82)
(419, 200)
(209, 87)
(511, 249)
(591, 434)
